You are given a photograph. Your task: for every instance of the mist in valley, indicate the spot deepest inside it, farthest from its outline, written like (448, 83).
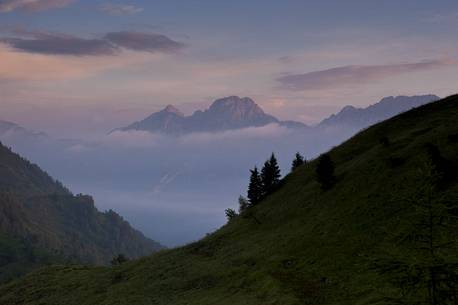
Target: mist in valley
(173, 189)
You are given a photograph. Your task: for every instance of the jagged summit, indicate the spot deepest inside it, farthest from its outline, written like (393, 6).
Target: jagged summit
(387, 107)
(234, 102)
(172, 109)
(238, 107)
(226, 113)
(347, 108)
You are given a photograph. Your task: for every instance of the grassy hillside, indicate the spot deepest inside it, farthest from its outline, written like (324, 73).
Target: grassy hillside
(306, 246)
(41, 222)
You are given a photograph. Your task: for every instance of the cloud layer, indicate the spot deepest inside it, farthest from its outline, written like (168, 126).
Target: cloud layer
(120, 9)
(31, 5)
(348, 75)
(147, 42)
(59, 44)
(110, 44)
(173, 189)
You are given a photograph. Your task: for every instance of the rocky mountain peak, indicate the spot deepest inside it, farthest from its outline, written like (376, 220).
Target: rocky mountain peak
(234, 105)
(387, 107)
(347, 109)
(227, 113)
(173, 109)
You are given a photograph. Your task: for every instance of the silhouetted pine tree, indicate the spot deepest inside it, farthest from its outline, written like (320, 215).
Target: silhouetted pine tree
(255, 187)
(230, 214)
(325, 172)
(270, 175)
(299, 160)
(244, 204)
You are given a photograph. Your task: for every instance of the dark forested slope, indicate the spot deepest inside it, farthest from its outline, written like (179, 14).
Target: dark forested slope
(42, 222)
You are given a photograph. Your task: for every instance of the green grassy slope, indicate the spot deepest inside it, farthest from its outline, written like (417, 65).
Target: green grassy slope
(41, 222)
(309, 246)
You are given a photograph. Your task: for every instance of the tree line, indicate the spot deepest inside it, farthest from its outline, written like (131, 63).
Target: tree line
(264, 182)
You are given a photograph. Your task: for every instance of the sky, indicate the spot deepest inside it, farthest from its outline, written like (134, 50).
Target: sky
(76, 67)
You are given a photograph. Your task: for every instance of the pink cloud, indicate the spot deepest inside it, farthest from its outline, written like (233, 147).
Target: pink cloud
(348, 75)
(19, 66)
(36, 42)
(32, 5)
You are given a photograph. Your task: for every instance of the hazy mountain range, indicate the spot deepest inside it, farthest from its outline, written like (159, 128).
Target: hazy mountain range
(223, 114)
(351, 116)
(12, 130)
(233, 112)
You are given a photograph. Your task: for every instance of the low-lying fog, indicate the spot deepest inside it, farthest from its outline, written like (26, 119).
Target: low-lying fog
(174, 190)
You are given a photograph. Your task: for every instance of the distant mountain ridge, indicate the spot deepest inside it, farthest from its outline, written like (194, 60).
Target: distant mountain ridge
(233, 112)
(227, 113)
(9, 129)
(388, 107)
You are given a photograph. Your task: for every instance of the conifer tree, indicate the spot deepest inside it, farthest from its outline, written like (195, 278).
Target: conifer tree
(270, 175)
(325, 172)
(244, 204)
(299, 160)
(230, 214)
(255, 187)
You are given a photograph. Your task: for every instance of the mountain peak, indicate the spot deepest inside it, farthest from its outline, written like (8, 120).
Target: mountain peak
(233, 100)
(347, 108)
(236, 105)
(228, 113)
(173, 109)
(387, 107)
